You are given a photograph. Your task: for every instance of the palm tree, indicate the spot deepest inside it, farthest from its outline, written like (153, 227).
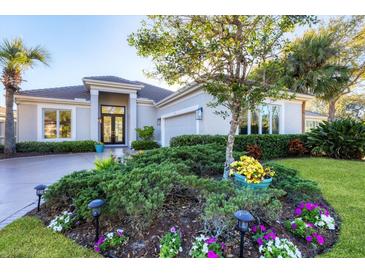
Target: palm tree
(15, 58)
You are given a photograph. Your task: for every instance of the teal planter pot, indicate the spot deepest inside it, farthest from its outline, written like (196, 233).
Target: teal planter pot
(241, 180)
(99, 148)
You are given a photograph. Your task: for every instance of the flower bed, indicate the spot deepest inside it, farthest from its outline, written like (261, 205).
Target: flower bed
(167, 198)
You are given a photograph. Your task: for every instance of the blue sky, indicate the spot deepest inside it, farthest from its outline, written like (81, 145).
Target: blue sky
(79, 46)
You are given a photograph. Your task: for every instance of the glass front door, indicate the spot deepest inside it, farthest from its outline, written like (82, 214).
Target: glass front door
(113, 125)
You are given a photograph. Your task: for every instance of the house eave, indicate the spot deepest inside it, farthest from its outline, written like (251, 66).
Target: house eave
(89, 83)
(35, 99)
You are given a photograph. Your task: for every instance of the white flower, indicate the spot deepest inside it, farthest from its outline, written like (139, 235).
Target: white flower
(180, 249)
(205, 248)
(110, 235)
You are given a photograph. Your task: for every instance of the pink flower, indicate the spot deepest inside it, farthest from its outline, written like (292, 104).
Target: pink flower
(212, 254)
(320, 239)
(310, 225)
(223, 246)
(294, 226)
(298, 211)
(254, 229)
(97, 248)
(309, 239)
(260, 241)
(120, 232)
(262, 228)
(211, 240)
(173, 229)
(301, 205)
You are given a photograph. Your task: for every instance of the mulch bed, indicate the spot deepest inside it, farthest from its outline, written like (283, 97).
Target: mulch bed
(184, 211)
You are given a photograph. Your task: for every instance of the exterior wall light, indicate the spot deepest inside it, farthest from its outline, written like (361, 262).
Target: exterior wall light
(95, 206)
(199, 114)
(243, 219)
(39, 190)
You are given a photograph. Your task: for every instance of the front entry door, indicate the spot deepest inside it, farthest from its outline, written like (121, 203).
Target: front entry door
(113, 125)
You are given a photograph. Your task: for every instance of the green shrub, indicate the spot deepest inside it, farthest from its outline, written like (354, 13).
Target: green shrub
(145, 133)
(297, 189)
(54, 147)
(107, 163)
(341, 139)
(271, 145)
(144, 145)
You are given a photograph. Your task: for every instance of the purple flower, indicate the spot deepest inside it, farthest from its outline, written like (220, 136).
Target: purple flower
(211, 240)
(301, 205)
(310, 206)
(173, 229)
(271, 235)
(310, 225)
(97, 248)
(262, 228)
(298, 211)
(294, 226)
(320, 239)
(212, 254)
(260, 241)
(254, 229)
(100, 240)
(223, 246)
(120, 232)
(309, 239)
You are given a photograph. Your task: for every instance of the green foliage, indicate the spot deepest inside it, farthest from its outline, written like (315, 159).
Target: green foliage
(107, 163)
(219, 208)
(54, 147)
(145, 133)
(170, 245)
(272, 145)
(341, 139)
(297, 189)
(144, 144)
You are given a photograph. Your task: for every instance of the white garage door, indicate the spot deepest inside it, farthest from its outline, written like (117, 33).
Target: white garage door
(179, 125)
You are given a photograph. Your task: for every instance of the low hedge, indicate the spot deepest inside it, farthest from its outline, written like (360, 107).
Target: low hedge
(54, 147)
(144, 145)
(272, 145)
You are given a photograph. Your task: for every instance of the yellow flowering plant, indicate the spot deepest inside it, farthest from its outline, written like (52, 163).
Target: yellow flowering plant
(252, 169)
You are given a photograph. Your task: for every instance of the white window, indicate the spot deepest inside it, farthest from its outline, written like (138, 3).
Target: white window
(309, 124)
(265, 120)
(57, 124)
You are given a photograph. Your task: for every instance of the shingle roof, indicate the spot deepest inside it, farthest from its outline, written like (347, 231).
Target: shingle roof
(312, 113)
(72, 92)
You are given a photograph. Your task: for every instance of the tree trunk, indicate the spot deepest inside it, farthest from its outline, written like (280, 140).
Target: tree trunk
(332, 109)
(230, 142)
(9, 145)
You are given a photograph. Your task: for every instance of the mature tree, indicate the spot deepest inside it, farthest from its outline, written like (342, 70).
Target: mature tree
(220, 53)
(15, 58)
(328, 62)
(351, 106)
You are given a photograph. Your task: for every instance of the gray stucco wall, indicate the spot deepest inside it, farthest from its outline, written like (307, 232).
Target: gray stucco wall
(82, 123)
(27, 124)
(293, 118)
(211, 123)
(146, 116)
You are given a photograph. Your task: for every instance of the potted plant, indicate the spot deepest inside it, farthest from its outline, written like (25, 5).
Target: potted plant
(99, 147)
(248, 172)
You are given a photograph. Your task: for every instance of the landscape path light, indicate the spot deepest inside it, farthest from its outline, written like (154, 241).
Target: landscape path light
(39, 190)
(95, 206)
(243, 219)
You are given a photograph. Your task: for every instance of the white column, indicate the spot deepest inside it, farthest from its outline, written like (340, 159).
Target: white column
(132, 118)
(94, 115)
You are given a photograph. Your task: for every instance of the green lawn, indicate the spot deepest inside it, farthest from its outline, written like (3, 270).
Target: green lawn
(343, 185)
(29, 238)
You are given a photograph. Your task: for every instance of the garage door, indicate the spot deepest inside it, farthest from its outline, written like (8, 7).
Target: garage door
(179, 125)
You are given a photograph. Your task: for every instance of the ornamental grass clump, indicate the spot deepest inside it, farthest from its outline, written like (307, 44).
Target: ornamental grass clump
(252, 169)
(207, 247)
(62, 222)
(110, 240)
(170, 244)
(271, 246)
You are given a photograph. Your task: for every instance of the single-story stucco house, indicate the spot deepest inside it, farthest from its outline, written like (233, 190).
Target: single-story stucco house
(109, 109)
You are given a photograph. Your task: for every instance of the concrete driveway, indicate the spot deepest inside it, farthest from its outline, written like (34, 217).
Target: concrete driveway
(18, 176)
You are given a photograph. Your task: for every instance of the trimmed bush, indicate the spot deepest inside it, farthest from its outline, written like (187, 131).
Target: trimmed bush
(144, 145)
(341, 139)
(54, 147)
(272, 145)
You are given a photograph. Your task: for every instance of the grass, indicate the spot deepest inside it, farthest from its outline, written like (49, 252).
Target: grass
(29, 238)
(343, 186)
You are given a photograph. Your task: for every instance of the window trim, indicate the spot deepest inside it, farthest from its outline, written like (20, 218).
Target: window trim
(40, 113)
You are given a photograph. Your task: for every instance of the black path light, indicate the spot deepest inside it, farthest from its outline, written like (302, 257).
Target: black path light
(39, 190)
(243, 218)
(95, 206)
